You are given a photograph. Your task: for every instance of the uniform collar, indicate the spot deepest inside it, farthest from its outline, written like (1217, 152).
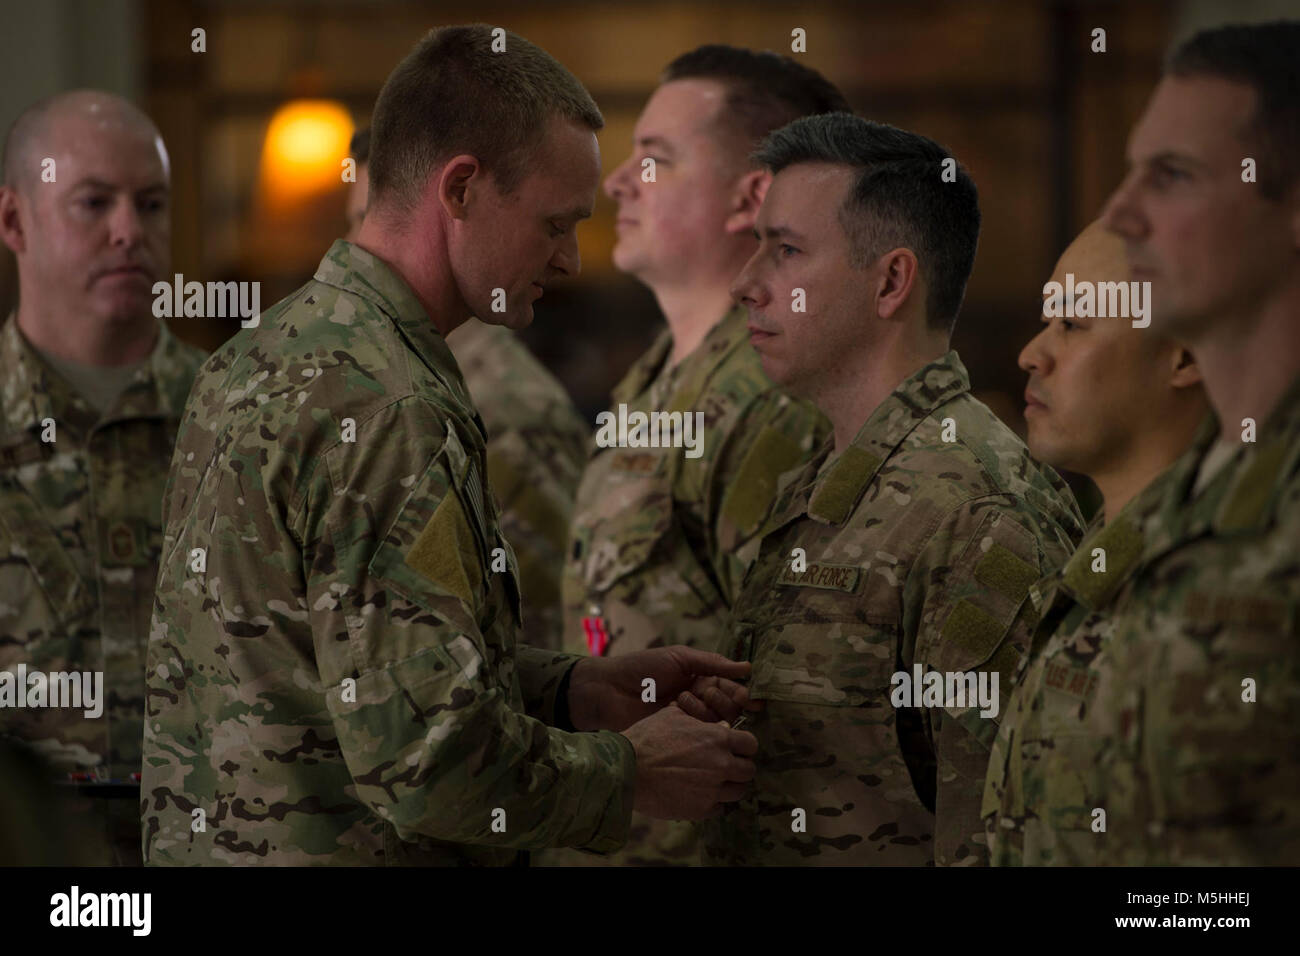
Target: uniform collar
(1243, 498)
(1124, 541)
(693, 373)
(350, 268)
(841, 485)
(1246, 494)
(33, 391)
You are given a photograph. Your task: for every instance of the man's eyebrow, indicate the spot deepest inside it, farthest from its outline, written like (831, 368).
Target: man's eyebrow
(1171, 157)
(93, 183)
(780, 232)
(654, 142)
(577, 213)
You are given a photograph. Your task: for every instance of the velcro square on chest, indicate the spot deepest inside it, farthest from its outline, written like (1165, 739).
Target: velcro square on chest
(842, 487)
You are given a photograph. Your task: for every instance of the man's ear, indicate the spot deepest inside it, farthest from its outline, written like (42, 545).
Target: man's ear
(898, 282)
(1184, 372)
(460, 184)
(746, 198)
(11, 222)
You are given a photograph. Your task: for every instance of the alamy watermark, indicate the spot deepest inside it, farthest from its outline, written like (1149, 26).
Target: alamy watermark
(78, 690)
(1102, 300)
(651, 430)
(211, 300)
(923, 688)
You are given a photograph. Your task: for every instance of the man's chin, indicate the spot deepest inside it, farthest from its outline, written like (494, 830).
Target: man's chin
(126, 313)
(515, 321)
(779, 374)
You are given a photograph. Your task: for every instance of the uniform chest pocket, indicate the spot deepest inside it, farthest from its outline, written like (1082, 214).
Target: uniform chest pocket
(40, 586)
(835, 663)
(633, 513)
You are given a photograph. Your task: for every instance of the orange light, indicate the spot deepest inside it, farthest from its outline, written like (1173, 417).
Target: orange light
(306, 143)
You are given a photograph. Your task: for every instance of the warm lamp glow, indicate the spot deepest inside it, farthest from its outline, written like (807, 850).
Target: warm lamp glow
(304, 150)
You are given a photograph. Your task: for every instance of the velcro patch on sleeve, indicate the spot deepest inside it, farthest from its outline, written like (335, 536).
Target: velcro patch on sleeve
(972, 629)
(446, 551)
(1005, 572)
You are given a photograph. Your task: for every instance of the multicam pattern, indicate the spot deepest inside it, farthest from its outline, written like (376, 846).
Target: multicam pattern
(536, 447)
(338, 680)
(915, 551)
(1133, 702)
(660, 542)
(80, 534)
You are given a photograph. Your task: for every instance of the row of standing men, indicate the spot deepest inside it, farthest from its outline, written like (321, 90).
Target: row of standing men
(338, 679)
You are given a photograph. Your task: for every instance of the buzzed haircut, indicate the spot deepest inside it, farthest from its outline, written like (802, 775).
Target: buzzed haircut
(900, 198)
(1265, 57)
(359, 146)
(17, 166)
(453, 94)
(764, 90)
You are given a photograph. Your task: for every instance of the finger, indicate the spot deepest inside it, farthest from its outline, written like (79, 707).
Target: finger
(739, 770)
(731, 792)
(721, 704)
(705, 663)
(742, 743)
(737, 692)
(692, 705)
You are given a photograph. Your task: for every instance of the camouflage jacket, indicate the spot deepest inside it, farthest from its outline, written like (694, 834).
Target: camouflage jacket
(333, 675)
(910, 551)
(80, 534)
(1174, 740)
(536, 446)
(661, 541)
(1048, 727)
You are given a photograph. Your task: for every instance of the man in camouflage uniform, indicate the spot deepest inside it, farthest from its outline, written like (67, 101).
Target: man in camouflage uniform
(906, 546)
(93, 387)
(536, 445)
(1119, 404)
(333, 671)
(661, 538)
(1182, 747)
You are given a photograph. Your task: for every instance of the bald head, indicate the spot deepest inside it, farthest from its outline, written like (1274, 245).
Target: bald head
(85, 207)
(46, 124)
(1096, 255)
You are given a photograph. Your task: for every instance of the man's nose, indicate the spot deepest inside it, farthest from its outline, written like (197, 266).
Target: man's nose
(618, 185)
(567, 258)
(124, 223)
(1121, 214)
(1034, 357)
(747, 288)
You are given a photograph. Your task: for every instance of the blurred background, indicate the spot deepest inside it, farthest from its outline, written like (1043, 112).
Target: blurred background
(257, 126)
